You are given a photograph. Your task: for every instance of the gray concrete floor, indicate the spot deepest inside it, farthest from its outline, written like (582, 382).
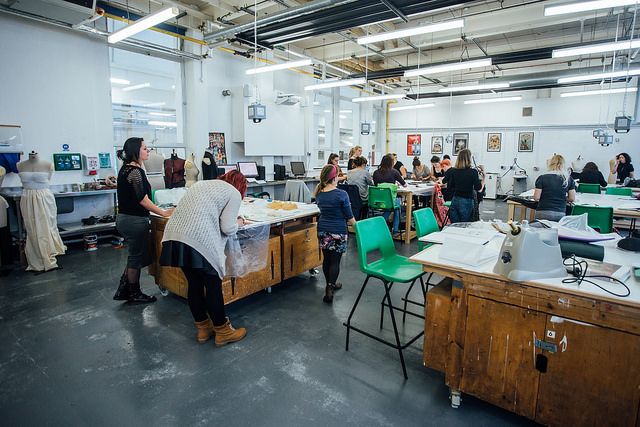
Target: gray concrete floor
(70, 355)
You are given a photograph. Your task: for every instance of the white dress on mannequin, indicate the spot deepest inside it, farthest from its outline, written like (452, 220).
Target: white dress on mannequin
(39, 211)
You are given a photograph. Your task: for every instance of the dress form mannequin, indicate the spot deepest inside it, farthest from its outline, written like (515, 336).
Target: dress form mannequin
(38, 206)
(209, 168)
(191, 171)
(154, 166)
(5, 235)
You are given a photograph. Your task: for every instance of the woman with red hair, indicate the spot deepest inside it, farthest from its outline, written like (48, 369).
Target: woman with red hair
(194, 240)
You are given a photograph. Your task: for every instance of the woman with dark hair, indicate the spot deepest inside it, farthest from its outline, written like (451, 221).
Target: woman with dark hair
(194, 240)
(591, 175)
(622, 168)
(399, 166)
(436, 169)
(335, 214)
(386, 173)
(462, 182)
(334, 159)
(420, 171)
(134, 205)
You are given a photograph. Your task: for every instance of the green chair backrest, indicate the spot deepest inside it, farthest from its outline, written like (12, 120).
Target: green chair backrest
(373, 234)
(598, 217)
(589, 188)
(426, 223)
(393, 187)
(381, 198)
(620, 191)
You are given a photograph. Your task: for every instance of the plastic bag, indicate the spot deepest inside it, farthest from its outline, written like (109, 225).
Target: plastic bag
(246, 251)
(575, 222)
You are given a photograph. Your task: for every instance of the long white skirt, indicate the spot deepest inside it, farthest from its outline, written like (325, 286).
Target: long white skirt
(43, 239)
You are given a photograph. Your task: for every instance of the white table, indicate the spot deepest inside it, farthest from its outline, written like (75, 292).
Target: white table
(425, 189)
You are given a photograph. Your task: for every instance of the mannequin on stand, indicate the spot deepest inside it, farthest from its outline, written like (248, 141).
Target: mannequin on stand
(154, 166)
(39, 211)
(5, 234)
(209, 168)
(191, 171)
(174, 171)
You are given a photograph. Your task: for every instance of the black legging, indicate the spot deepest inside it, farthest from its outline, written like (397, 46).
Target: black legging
(331, 265)
(201, 304)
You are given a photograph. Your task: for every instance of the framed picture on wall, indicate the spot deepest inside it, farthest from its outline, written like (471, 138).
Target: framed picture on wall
(494, 142)
(414, 145)
(525, 141)
(437, 142)
(217, 147)
(460, 142)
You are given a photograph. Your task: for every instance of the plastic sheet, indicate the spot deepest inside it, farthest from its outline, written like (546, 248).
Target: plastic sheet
(247, 250)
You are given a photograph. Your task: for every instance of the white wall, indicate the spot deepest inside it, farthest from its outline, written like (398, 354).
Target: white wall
(560, 125)
(55, 84)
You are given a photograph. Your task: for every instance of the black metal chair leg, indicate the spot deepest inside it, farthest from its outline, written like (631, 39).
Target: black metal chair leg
(406, 297)
(353, 309)
(395, 331)
(382, 309)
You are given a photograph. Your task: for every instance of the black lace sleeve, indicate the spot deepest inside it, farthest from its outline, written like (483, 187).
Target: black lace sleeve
(136, 181)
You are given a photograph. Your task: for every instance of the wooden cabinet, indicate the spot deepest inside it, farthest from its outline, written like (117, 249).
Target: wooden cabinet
(300, 250)
(436, 331)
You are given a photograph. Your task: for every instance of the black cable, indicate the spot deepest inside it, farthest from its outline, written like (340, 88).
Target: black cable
(580, 272)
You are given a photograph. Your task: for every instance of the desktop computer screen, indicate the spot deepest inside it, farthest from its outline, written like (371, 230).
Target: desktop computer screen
(222, 169)
(248, 169)
(297, 169)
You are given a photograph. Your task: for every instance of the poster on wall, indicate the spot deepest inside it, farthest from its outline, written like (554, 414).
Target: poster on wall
(437, 143)
(494, 142)
(460, 142)
(217, 147)
(525, 141)
(414, 145)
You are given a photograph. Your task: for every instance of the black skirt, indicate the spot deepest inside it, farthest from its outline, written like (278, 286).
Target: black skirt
(178, 254)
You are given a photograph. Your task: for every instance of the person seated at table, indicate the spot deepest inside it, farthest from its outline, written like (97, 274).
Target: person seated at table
(591, 175)
(420, 171)
(388, 174)
(463, 181)
(333, 160)
(360, 177)
(553, 190)
(397, 165)
(436, 171)
(447, 170)
(622, 168)
(194, 240)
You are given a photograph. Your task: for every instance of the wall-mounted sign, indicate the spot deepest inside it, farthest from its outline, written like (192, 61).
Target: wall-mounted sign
(105, 160)
(65, 147)
(67, 161)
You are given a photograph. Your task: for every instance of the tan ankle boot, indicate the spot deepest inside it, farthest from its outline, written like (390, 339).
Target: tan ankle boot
(226, 333)
(205, 330)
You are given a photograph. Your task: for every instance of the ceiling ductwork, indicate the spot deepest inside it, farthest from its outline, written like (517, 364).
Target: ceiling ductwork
(65, 11)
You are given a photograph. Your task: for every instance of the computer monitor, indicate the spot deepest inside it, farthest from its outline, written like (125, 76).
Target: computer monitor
(222, 169)
(297, 169)
(248, 169)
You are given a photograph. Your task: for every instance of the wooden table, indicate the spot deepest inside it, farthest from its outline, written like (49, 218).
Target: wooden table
(292, 249)
(556, 353)
(407, 193)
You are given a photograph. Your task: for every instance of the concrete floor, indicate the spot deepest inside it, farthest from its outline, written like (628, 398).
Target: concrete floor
(70, 355)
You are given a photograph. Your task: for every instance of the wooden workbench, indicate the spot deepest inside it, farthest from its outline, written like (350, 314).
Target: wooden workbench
(293, 249)
(558, 354)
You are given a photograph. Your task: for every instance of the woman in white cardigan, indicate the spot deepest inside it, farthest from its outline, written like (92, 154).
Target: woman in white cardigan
(194, 240)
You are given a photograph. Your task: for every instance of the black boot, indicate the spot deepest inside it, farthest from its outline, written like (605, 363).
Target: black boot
(122, 294)
(137, 297)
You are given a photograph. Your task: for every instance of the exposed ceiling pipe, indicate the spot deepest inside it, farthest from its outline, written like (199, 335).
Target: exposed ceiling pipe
(295, 11)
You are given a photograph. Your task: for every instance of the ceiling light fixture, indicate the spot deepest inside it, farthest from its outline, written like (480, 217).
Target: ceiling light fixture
(162, 114)
(159, 123)
(378, 97)
(598, 76)
(336, 83)
(492, 100)
(408, 32)
(119, 81)
(598, 92)
(411, 107)
(483, 86)
(595, 48)
(143, 24)
(154, 104)
(282, 66)
(586, 6)
(136, 87)
(448, 67)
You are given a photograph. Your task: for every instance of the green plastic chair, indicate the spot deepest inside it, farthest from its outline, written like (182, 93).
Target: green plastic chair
(598, 217)
(619, 191)
(382, 198)
(589, 188)
(426, 223)
(372, 234)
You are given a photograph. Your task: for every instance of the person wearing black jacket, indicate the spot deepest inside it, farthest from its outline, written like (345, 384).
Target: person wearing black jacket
(462, 182)
(591, 175)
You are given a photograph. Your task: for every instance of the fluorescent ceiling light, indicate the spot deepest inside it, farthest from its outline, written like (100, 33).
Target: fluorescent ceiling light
(343, 117)
(327, 111)
(562, 9)
(484, 86)
(595, 48)
(380, 84)
(136, 87)
(162, 114)
(448, 67)
(378, 97)
(158, 123)
(119, 81)
(411, 107)
(598, 76)
(492, 100)
(276, 67)
(598, 92)
(143, 24)
(336, 83)
(346, 111)
(408, 32)
(154, 104)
